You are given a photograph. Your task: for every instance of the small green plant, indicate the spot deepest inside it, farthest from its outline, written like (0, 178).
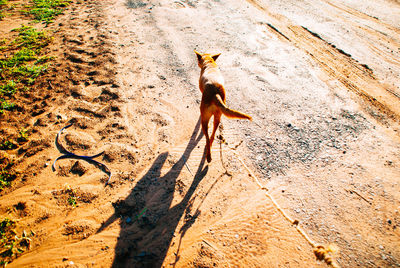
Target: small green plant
(8, 145)
(8, 89)
(6, 106)
(72, 197)
(6, 177)
(23, 135)
(3, 43)
(72, 201)
(11, 245)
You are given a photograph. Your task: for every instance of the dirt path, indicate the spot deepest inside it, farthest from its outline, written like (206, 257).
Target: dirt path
(320, 79)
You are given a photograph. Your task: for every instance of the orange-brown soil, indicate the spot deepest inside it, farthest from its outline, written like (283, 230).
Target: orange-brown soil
(319, 78)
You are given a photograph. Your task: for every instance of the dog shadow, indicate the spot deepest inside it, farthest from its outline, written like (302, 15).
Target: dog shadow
(148, 221)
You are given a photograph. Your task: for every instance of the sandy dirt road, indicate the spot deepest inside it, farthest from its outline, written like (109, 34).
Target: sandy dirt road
(321, 80)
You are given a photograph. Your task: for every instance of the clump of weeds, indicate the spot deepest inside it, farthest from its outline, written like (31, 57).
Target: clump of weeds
(12, 245)
(23, 135)
(7, 173)
(67, 196)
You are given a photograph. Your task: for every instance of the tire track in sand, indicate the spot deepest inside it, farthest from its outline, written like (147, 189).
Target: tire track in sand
(335, 63)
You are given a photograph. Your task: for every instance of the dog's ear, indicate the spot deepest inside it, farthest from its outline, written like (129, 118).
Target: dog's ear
(215, 57)
(198, 55)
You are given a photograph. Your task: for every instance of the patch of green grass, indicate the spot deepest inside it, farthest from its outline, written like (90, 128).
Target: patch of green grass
(11, 245)
(47, 10)
(24, 62)
(31, 38)
(28, 73)
(20, 57)
(3, 6)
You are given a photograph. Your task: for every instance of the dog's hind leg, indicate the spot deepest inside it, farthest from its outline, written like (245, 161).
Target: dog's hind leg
(217, 120)
(204, 125)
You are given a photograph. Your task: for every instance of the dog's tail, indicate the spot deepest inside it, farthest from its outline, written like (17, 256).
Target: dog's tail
(227, 111)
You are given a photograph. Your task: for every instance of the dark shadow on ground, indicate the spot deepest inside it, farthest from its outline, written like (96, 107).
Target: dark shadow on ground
(148, 221)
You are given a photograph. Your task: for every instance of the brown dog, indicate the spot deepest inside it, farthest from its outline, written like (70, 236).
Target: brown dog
(211, 84)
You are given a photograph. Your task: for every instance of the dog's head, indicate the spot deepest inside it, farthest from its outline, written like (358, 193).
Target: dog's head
(205, 58)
